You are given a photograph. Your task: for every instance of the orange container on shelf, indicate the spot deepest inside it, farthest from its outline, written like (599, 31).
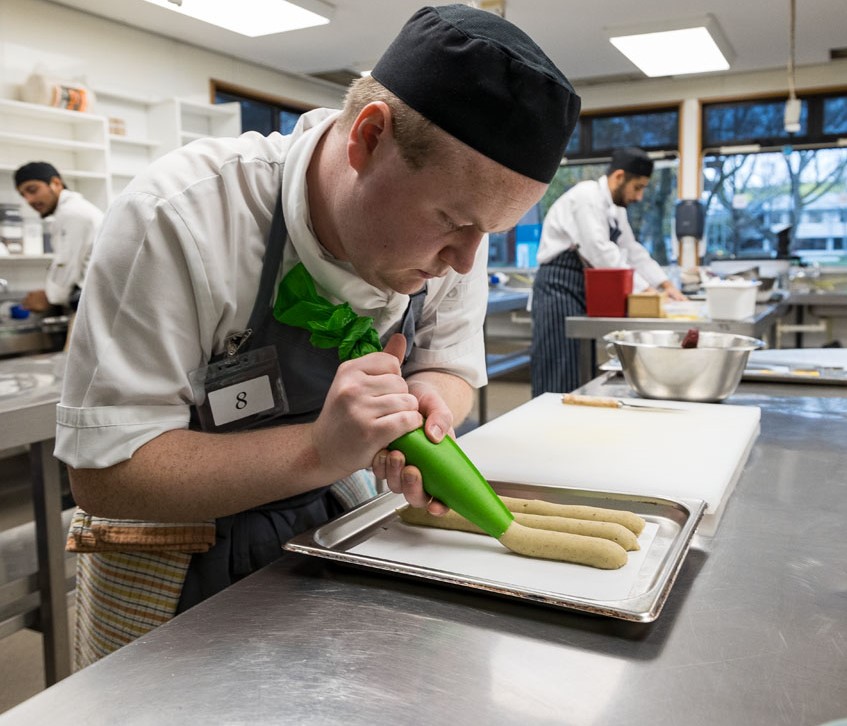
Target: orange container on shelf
(606, 291)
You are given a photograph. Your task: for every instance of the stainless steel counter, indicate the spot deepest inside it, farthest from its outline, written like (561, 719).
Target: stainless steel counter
(588, 330)
(29, 391)
(821, 303)
(502, 300)
(818, 298)
(32, 335)
(754, 630)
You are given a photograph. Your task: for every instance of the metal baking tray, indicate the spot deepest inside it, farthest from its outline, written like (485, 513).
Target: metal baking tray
(646, 579)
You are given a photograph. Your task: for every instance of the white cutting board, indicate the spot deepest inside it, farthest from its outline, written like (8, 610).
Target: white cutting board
(697, 451)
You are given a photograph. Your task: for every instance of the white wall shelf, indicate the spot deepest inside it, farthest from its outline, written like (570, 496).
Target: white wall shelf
(93, 161)
(25, 259)
(199, 121)
(75, 143)
(49, 143)
(118, 140)
(157, 126)
(189, 136)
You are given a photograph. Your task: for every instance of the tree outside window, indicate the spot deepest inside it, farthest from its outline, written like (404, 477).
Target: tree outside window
(798, 189)
(588, 155)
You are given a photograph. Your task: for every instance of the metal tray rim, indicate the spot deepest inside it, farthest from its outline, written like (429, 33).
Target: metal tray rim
(644, 607)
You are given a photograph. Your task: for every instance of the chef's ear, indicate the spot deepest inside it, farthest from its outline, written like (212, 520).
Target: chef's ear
(371, 127)
(617, 176)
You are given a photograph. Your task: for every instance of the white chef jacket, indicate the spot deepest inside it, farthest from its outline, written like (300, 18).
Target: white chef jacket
(74, 226)
(583, 216)
(175, 273)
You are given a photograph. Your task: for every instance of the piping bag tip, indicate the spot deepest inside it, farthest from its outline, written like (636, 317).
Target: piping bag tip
(450, 476)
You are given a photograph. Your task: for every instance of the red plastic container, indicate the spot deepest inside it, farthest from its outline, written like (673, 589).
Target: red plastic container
(606, 290)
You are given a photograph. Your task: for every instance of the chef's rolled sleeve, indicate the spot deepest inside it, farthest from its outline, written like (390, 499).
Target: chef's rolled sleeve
(450, 336)
(462, 360)
(95, 438)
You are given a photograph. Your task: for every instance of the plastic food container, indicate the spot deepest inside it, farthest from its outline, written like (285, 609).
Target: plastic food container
(606, 291)
(731, 299)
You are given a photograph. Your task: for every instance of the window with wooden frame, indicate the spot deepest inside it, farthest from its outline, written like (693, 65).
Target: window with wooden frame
(763, 184)
(259, 111)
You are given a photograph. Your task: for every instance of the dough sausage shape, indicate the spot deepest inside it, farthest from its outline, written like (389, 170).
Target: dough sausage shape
(533, 542)
(590, 528)
(630, 520)
(549, 545)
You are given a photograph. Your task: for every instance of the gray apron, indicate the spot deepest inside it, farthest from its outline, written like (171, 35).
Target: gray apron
(250, 540)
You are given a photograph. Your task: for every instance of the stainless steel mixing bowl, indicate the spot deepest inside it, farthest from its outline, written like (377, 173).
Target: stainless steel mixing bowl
(656, 365)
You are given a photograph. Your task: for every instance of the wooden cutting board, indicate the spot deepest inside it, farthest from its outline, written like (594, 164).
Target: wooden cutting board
(696, 451)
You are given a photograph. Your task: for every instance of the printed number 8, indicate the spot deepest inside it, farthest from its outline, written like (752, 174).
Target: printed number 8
(241, 400)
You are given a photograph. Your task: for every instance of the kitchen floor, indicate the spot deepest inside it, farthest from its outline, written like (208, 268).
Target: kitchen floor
(21, 664)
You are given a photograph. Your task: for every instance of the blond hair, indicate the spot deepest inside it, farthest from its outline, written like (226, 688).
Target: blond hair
(418, 139)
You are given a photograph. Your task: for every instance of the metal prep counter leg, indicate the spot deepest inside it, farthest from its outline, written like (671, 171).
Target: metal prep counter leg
(50, 539)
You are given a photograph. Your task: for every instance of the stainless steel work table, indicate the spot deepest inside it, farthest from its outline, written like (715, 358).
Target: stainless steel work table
(502, 300)
(28, 417)
(754, 630)
(822, 304)
(588, 330)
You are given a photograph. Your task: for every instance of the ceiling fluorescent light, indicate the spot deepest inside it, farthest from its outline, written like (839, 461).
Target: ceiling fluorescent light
(674, 48)
(253, 17)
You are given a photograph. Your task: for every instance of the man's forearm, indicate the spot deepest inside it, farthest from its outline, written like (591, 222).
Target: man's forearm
(190, 476)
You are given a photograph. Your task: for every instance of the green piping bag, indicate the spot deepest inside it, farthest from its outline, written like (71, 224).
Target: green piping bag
(447, 472)
(449, 475)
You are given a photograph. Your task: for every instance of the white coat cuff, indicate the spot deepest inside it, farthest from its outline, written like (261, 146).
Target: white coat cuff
(95, 438)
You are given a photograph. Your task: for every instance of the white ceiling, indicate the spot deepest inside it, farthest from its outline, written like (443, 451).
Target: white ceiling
(572, 32)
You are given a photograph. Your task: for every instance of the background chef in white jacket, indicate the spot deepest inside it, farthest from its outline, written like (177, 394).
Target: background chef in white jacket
(75, 223)
(587, 227)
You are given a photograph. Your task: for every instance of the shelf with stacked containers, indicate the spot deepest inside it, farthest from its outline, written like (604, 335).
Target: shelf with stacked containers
(141, 129)
(74, 142)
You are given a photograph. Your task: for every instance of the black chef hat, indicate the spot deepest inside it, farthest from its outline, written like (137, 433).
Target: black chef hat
(35, 171)
(485, 82)
(632, 159)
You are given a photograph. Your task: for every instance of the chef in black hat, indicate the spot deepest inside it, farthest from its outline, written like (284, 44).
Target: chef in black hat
(74, 223)
(200, 390)
(587, 226)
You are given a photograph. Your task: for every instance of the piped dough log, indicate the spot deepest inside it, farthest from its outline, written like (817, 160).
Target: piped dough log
(562, 546)
(452, 520)
(630, 520)
(611, 531)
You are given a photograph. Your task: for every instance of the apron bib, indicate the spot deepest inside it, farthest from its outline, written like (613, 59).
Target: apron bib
(250, 540)
(154, 586)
